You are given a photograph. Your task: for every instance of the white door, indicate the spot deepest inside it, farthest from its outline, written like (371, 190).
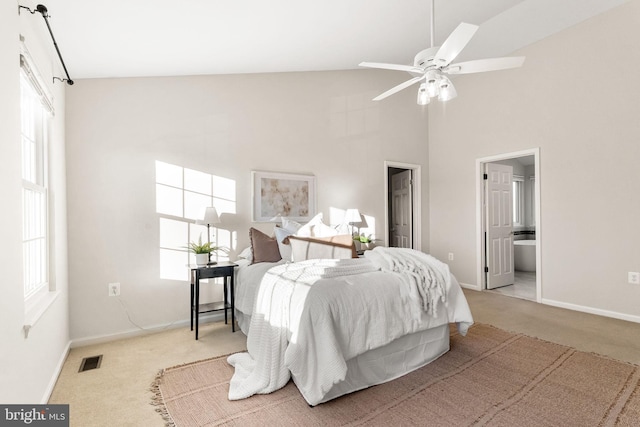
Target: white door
(401, 210)
(499, 217)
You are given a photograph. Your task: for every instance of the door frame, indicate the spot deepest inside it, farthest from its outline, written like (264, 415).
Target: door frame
(480, 215)
(416, 192)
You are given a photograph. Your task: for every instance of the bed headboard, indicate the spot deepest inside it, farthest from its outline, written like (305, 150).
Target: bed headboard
(340, 247)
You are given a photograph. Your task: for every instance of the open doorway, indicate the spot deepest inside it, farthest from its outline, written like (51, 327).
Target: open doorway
(403, 205)
(509, 243)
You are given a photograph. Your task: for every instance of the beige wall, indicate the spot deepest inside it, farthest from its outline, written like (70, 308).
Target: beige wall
(577, 98)
(321, 123)
(29, 364)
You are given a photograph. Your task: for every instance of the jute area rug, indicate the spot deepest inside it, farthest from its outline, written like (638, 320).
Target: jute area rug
(490, 377)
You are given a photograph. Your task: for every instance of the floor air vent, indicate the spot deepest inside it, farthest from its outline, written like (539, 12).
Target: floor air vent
(89, 363)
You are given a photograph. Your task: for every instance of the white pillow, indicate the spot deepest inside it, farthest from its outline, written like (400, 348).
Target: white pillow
(285, 248)
(290, 225)
(343, 229)
(323, 230)
(316, 228)
(246, 254)
(281, 234)
(287, 228)
(307, 229)
(285, 251)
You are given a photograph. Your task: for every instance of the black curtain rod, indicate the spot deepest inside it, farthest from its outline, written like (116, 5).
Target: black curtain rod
(45, 14)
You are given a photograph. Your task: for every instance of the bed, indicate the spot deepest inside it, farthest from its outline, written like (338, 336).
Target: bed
(336, 326)
(298, 248)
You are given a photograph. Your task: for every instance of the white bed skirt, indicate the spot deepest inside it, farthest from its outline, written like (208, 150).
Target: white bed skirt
(244, 320)
(399, 357)
(383, 364)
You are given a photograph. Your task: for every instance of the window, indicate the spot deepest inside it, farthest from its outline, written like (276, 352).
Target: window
(518, 201)
(36, 112)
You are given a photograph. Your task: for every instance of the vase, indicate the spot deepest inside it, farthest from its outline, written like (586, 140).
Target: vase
(202, 259)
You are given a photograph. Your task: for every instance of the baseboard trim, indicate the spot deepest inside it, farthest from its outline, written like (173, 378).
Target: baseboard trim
(591, 310)
(574, 307)
(469, 286)
(99, 339)
(56, 374)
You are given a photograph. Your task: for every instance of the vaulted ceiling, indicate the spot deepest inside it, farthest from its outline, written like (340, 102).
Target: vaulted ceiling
(124, 38)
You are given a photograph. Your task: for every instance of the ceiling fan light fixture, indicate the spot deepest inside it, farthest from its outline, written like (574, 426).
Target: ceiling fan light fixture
(433, 84)
(423, 96)
(447, 90)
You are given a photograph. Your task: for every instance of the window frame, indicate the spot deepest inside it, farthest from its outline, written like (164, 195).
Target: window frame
(518, 201)
(35, 130)
(532, 201)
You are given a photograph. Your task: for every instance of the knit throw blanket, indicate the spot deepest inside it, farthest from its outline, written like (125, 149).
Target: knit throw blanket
(430, 276)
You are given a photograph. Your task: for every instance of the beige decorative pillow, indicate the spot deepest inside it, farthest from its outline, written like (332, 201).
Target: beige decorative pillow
(334, 247)
(263, 247)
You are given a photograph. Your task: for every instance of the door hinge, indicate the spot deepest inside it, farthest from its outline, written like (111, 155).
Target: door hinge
(485, 176)
(486, 269)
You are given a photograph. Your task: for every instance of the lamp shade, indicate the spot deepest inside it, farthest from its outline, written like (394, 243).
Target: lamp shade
(447, 91)
(352, 215)
(209, 216)
(433, 88)
(423, 95)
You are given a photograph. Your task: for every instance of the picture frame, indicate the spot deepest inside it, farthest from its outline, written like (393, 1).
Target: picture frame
(276, 195)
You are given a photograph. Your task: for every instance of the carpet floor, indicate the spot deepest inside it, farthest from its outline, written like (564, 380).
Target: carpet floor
(490, 377)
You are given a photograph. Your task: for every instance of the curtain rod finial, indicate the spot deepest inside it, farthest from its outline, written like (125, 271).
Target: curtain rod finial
(69, 81)
(43, 10)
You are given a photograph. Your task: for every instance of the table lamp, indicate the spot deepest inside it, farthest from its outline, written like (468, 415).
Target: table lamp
(209, 216)
(352, 216)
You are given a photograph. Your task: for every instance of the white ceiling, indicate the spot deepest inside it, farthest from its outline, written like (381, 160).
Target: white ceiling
(125, 38)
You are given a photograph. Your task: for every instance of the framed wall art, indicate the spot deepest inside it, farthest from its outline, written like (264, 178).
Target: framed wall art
(277, 195)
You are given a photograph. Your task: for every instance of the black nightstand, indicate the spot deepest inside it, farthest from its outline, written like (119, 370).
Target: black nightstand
(222, 269)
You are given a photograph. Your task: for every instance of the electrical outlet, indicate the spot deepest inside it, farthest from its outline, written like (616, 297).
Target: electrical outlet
(634, 277)
(114, 289)
(450, 256)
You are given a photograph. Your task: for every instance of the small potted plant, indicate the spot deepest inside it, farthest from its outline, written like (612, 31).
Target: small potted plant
(363, 242)
(202, 251)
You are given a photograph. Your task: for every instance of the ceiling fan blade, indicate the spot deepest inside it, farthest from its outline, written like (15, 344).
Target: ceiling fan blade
(454, 44)
(398, 67)
(398, 88)
(482, 65)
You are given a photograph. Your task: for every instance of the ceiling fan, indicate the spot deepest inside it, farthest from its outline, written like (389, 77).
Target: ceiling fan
(431, 65)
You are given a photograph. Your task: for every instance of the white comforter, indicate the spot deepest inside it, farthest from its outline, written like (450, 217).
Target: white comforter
(311, 317)
(248, 280)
